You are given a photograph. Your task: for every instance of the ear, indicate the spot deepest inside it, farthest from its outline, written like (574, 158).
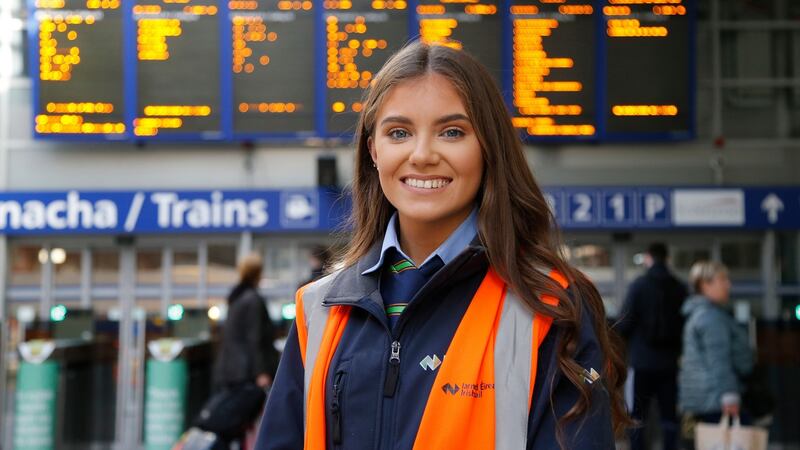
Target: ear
(372, 153)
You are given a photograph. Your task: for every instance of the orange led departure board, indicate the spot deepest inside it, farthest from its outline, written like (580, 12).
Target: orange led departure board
(78, 46)
(648, 55)
(178, 68)
(139, 70)
(273, 66)
(553, 67)
(359, 37)
(474, 25)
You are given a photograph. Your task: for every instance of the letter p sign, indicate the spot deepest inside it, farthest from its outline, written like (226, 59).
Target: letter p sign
(653, 204)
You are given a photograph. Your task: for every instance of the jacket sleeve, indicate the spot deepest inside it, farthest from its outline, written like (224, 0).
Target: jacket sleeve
(282, 425)
(554, 395)
(256, 328)
(715, 338)
(741, 353)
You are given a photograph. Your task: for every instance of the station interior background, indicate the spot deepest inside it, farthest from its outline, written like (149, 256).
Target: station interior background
(747, 134)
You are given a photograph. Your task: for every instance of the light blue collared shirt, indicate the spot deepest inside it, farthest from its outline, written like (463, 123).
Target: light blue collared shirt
(450, 248)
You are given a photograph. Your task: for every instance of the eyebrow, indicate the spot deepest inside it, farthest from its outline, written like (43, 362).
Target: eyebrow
(441, 120)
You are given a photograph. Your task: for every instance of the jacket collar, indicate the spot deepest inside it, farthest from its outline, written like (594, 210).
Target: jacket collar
(349, 285)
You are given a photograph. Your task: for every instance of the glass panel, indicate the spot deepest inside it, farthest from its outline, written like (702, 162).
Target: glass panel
(747, 9)
(595, 261)
(683, 257)
(66, 265)
(222, 264)
(184, 267)
(105, 266)
(749, 113)
(26, 269)
(743, 260)
(279, 267)
(148, 267)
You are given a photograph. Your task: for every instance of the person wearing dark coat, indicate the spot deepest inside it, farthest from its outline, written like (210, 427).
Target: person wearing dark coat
(651, 322)
(247, 351)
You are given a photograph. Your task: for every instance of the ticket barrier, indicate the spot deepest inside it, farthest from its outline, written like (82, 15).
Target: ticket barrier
(65, 387)
(178, 376)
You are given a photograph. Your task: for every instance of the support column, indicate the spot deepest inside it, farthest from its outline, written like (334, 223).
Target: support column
(86, 277)
(46, 300)
(167, 257)
(245, 245)
(771, 303)
(202, 282)
(125, 435)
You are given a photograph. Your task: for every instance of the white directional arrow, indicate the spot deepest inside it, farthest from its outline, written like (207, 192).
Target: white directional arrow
(772, 205)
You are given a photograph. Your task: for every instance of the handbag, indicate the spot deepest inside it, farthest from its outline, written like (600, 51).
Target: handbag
(228, 412)
(196, 439)
(723, 436)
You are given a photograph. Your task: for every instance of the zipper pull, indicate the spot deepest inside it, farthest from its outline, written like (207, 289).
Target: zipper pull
(393, 373)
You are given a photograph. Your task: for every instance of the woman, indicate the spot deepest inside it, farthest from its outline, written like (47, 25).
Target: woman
(716, 353)
(247, 353)
(436, 332)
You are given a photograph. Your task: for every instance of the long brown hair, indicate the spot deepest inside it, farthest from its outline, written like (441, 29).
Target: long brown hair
(515, 223)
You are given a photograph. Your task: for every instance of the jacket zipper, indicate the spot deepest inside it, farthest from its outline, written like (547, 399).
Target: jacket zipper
(393, 372)
(336, 408)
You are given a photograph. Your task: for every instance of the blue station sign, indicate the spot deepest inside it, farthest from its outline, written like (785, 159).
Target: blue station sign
(625, 208)
(169, 211)
(323, 211)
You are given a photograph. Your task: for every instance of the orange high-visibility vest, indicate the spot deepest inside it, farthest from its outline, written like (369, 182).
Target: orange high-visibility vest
(475, 402)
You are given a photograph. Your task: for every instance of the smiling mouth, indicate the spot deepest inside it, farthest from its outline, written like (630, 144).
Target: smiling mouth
(435, 183)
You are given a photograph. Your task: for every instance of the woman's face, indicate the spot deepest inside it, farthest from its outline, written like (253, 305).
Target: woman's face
(718, 289)
(427, 154)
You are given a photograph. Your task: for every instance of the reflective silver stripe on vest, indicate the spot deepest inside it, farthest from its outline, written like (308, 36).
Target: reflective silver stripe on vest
(513, 349)
(316, 317)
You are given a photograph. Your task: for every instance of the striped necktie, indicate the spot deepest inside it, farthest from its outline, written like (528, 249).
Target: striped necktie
(400, 281)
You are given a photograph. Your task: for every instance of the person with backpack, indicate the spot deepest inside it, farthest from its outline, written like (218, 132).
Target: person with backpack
(651, 323)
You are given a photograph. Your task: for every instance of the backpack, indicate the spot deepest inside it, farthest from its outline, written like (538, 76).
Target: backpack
(662, 321)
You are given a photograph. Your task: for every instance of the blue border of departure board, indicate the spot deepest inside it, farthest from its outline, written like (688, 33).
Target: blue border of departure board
(691, 133)
(227, 133)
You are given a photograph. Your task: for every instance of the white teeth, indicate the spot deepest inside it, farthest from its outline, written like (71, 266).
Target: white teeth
(427, 184)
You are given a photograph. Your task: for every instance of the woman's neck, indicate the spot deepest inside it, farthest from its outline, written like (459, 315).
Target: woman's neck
(419, 239)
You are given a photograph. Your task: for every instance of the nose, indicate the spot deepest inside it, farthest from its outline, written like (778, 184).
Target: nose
(424, 153)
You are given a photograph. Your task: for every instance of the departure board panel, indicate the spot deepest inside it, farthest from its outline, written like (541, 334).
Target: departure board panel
(553, 67)
(227, 70)
(273, 66)
(80, 78)
(473, 25)
(648, 56)
(360, 35)
(178, 62)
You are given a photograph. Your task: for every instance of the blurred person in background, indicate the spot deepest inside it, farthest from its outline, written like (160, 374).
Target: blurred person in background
(716, 354)
(652, 324)
(247, 352)
(319, 258)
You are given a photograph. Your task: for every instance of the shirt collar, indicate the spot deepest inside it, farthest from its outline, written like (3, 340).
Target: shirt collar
(447, 251)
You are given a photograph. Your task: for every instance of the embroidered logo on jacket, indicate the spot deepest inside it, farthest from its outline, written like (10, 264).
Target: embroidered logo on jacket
(430, 363)
(451, 389)
(469, 390)
(590, 376)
